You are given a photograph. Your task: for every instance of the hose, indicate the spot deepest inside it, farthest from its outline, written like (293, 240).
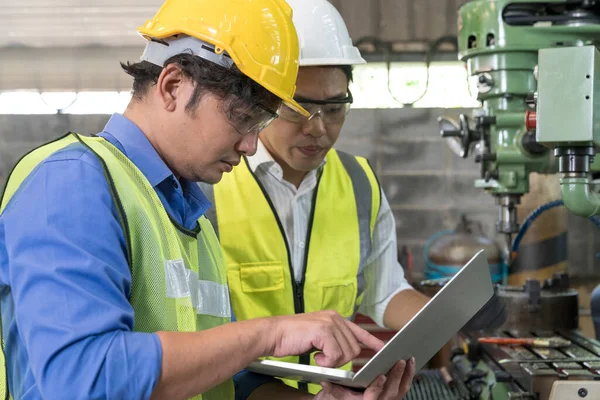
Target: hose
(534, 215)
(529, 221)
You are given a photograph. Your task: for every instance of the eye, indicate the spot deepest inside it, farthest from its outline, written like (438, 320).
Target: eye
(334, 108)
(244, 118)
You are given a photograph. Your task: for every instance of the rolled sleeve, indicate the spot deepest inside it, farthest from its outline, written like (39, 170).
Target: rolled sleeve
(71, 326)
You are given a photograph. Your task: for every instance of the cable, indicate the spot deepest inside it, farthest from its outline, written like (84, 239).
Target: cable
(529, 220)
(433, 49)
(595, 220)
(385, 48)
(59, 110)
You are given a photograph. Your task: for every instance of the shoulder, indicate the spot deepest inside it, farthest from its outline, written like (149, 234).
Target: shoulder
(65, 173)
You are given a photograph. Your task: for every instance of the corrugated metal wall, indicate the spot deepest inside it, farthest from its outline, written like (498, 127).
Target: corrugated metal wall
(50, 23)
(400, 20)
(76, 44)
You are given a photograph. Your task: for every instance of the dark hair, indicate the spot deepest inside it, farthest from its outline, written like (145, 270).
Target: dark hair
(230, 84)
(347, 69)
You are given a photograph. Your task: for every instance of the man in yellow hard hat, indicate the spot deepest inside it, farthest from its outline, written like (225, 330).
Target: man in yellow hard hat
(305, 227)
(112, 282)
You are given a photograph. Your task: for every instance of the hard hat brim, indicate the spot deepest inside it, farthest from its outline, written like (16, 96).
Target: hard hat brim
(294, 105)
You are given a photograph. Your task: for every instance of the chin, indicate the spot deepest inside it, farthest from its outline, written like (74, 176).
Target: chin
(211, 179)
(307, 166)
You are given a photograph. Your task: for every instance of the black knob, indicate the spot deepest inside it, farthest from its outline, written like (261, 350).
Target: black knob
(462, 132)
(485, 157)
(531, 144)
(489, 175)
(451, 134)
(531, 99)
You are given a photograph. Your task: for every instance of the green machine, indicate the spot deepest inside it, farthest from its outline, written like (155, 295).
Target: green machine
(537, 68)
(523, 55)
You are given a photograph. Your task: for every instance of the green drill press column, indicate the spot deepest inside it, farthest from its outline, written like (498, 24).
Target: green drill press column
(504, 57)
(500, 43)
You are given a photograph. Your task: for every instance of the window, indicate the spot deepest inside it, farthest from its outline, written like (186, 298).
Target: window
(28, 102)
(448, 88)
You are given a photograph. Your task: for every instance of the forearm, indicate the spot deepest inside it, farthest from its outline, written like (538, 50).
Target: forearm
(197, 361)
(403, 306)
(278, 390)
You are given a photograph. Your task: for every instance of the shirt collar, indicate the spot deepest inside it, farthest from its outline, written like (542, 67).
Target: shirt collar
(262, 157)
(136, 146)
(127, 137)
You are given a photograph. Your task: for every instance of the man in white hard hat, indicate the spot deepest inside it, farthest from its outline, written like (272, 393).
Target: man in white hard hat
(305, 227)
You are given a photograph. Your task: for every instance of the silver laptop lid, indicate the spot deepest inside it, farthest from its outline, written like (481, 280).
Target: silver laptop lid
(435, 324)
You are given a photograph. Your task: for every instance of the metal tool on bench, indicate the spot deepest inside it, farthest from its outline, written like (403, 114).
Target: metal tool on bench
(550, 342)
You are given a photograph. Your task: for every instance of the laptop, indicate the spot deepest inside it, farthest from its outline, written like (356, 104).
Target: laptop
(422, 337)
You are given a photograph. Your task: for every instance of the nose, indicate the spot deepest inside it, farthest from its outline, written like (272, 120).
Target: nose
(247, 144)
(315, 127)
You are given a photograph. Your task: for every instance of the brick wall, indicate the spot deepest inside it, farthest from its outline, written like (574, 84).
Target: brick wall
(428, 187)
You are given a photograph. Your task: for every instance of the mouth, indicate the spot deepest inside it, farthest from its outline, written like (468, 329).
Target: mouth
(310, 151)
(230, 164)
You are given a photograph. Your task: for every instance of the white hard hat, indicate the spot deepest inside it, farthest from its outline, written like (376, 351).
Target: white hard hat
(322, 33)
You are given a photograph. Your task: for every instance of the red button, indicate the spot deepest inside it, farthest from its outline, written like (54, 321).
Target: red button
(530, 120)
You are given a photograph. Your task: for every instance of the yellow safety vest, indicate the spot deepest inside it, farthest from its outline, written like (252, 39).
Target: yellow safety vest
(259, 272)
(173, 270)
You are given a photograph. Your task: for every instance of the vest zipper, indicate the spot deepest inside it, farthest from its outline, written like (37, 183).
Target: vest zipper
(297, 287)
(305, 358)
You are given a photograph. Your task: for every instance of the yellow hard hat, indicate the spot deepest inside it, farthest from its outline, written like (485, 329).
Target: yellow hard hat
(258, 35)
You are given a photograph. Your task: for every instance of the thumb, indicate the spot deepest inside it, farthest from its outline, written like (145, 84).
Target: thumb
(325, 392)
(326, 387)
(323, 361)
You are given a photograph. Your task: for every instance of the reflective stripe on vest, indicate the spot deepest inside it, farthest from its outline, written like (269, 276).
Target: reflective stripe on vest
(178, 275)
(261, 281)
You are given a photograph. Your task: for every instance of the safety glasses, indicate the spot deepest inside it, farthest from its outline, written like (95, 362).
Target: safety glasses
(252, 120)
(331, 111)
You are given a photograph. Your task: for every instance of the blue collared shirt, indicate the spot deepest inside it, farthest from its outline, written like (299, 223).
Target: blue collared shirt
(64, 278)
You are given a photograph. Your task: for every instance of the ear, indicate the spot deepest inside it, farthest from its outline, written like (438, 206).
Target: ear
(170, 85)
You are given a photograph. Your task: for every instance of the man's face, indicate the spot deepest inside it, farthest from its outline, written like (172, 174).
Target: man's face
(302, 145)
(208, 141)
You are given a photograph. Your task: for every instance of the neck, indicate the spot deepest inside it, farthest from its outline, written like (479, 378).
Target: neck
(144, 118)
(290, 174)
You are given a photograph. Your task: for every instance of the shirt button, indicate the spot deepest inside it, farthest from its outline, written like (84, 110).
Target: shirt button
(301, 245)
(175, 184)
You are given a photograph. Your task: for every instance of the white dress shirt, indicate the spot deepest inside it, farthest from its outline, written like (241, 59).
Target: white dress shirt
(384, 276)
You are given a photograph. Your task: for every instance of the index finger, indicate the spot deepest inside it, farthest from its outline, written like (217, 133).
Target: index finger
(364, 337)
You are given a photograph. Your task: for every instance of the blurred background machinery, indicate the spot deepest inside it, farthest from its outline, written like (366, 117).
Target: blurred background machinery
(535, 65)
